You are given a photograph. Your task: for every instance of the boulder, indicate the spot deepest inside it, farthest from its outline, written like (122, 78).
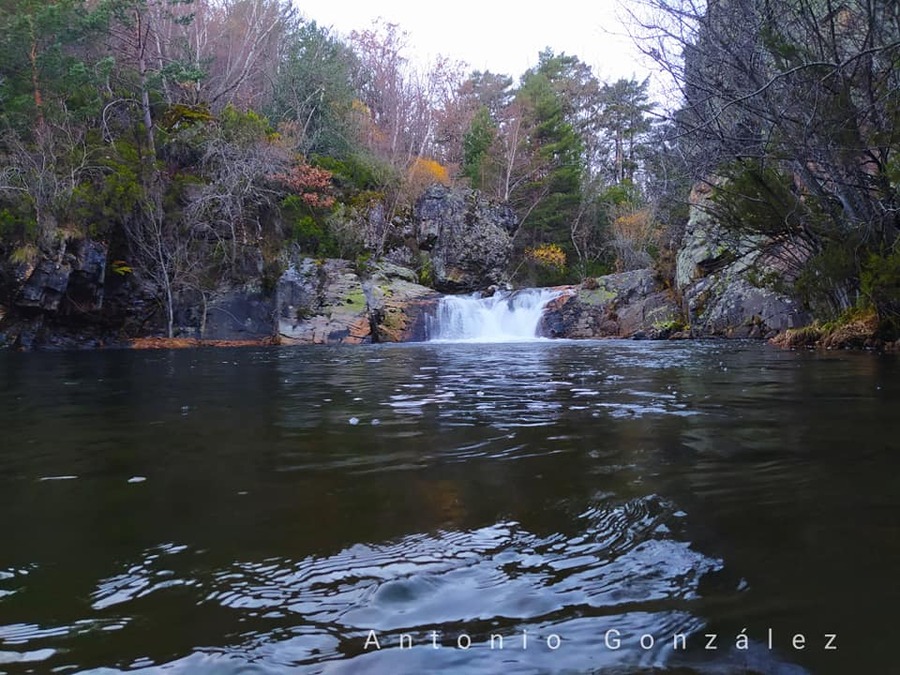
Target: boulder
(719, 276)
(328, 301)
(627, 304)
(72, 283)
(58, 301)
(727, 305)
(464, 237)
(232, 313)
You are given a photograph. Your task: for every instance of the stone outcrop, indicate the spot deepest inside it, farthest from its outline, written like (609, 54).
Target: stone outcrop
(629, 304)
(714, 274)
(456, 238)
(73, 302)
(73, 282)
(57, 302)
(464, 238)
(327, 301)
(243, 312)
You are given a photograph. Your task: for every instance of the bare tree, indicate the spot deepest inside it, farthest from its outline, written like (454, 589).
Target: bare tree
(47, 171)
(797, 103)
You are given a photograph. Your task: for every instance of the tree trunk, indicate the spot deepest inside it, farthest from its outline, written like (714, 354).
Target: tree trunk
(143, 30)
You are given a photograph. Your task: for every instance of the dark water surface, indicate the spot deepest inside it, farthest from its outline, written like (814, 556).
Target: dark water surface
(271, 511)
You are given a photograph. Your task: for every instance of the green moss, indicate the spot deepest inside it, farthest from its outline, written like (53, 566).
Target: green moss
(598, 296)
(25, 255)
(356, 299)
(670, 325)
(426, 271)
(394, 320)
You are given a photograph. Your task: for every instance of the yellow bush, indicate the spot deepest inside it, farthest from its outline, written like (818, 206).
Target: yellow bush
(427, 171)
(547, 255)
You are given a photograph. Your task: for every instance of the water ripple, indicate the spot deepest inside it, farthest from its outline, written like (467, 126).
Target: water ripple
(623, 561)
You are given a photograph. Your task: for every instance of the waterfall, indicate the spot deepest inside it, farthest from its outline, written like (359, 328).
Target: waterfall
(506, 316)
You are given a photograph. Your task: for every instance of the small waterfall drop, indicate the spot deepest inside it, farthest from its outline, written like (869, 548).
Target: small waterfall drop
(505, 316)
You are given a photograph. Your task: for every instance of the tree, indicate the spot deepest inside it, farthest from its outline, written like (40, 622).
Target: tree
(48, 77)
(798, 102)
(623, 119)
(480, 90)
(238, 46)
(547, 191)
(314, 91)
(479, 162)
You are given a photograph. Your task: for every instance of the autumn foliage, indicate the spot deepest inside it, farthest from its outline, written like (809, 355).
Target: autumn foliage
(635, 234)
(547, 255)
(312, 184)
(421, 174)
(428, 171)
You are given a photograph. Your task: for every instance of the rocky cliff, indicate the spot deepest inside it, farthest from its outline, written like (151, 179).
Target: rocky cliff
(726, 282)
(723, 287)
(328, 301)
(462, 239)
(629, 304)
(459, 241)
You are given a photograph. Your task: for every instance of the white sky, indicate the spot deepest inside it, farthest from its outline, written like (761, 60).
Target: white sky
(502, 37)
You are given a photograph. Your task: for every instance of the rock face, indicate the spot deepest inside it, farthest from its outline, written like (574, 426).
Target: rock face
(72, 283)
(466, 238)
(71, 302)
(243, 312)
(629, 304)
(325, 302)
(714, 270)
(58, 302)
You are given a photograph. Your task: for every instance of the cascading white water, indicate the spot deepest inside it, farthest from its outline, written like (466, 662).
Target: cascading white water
(506, 316)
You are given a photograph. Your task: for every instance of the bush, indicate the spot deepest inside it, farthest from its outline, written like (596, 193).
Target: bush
(356, 173)
(827, 284)
(880, 285)
(547, 255)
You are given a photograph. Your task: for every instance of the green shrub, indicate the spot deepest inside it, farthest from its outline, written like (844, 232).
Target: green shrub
(426, 270)
(357, 173)
(827, 285)
(880, 285)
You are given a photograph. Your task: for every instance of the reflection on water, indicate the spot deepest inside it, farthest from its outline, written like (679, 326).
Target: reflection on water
(284, 510)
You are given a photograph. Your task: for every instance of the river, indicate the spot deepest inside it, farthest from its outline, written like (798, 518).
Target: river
(544, 506)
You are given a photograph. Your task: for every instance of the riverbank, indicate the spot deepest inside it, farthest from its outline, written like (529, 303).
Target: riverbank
(193, 343)
(860, 330)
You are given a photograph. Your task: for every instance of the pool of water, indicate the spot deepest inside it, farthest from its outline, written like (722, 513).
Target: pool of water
(470, 508)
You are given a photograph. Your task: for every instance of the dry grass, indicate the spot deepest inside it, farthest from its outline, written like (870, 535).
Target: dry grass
(857, 333)
(857, 330)
(808, 336)
(191, 343)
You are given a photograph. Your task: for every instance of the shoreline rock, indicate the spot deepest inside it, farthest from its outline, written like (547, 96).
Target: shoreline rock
(713, 274)
(328, 302)
(627, 304)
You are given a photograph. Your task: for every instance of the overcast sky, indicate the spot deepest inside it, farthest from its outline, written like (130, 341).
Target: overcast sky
(498, 36)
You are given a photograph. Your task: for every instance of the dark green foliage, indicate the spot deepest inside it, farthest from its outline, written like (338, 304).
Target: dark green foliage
(307, 230)
(42, 76)
(551, 196)
(243, 128)
(757, 198)
(17, 222)
(828, 284)
(356, 173)
(478, 161)
(314, 91)
(112, 195)
(623, 119)
(880, 284)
